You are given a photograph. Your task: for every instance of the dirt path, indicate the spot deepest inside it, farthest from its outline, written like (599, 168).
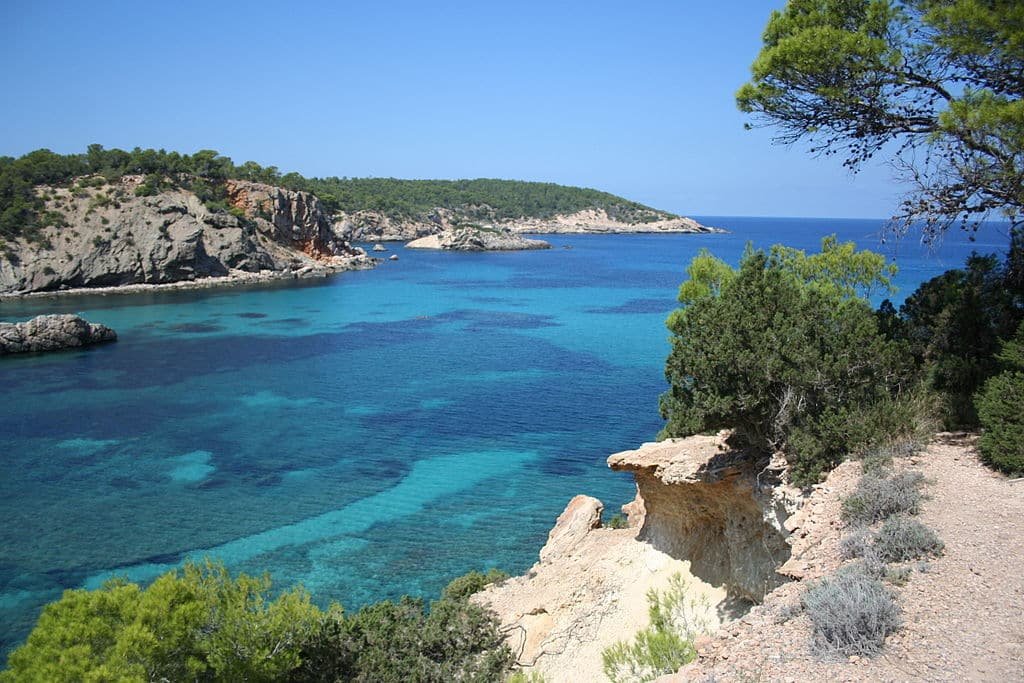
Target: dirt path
(963, 616)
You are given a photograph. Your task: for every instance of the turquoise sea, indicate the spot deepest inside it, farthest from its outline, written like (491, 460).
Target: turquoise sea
(370, 435)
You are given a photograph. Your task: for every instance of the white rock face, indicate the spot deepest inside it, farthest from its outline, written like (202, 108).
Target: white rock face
(472, 239)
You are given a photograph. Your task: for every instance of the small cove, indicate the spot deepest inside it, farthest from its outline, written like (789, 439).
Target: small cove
(371, 435)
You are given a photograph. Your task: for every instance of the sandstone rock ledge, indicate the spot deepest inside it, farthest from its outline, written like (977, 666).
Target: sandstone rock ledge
(52, 333)
(471, 239)
(703, 510)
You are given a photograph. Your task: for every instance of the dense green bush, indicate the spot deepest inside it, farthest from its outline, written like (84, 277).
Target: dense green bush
(954, 324)
(1001, 409)
(394, 642)
(200, 624)
(194, 624)
(787, 353)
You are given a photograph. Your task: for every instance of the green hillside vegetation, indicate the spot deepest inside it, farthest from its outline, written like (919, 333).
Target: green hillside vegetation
(787, 352)
(22, 211)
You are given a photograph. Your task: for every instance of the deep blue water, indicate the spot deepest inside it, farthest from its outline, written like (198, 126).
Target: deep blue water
(371, 435)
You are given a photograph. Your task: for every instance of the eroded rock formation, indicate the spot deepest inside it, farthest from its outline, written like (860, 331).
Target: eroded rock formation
(52, 333)
(111, 237)
(705, 511)
(722, 509)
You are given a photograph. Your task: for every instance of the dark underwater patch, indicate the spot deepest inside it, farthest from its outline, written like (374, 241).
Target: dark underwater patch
(634, 306)
(251, 315)
(286, 322)
(196, 328)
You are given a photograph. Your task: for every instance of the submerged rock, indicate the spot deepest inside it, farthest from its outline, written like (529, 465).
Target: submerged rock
(379, 247)
(52, 333)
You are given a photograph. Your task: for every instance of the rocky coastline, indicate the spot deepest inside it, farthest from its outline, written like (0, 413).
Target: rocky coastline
(371, 226)
(111, 237)
(473, 239)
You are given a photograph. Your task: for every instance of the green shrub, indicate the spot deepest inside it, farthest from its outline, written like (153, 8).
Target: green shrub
(851, 614)
(1001, 410)
(667, 644)
(618, 521)
(786, 352)
(879, 497)
(901, 539)
(466, 585)
(394, 642)
(196, 623)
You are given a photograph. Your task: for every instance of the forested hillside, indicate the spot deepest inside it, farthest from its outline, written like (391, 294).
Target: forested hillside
(22, 208)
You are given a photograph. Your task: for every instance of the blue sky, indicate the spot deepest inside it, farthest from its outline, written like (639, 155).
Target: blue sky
(632, 98)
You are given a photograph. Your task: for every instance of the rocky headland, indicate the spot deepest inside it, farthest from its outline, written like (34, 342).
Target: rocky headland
(110, 237)
(376, 226)
(52, 333)
(476, 239)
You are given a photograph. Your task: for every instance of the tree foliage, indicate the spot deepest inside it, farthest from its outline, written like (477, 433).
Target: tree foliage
(205, 171)
(954, 324)
(937, 82)
(786, 353)
(1001, 410)
(200, 624)
(194, 624)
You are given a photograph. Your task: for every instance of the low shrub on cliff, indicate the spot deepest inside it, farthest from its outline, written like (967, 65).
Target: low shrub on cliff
(901, 539)
(473, 582)
(787, 352)
(879, 497)
(676, 617)
(851, 614)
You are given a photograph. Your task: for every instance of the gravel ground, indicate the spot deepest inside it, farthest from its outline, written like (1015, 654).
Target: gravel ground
(963, 614)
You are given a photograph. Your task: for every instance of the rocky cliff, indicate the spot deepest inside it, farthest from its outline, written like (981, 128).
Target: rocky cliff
(110, 237)
(722, 509)
(52, 333)
(375, 226)
(473, 239)
(717, 516)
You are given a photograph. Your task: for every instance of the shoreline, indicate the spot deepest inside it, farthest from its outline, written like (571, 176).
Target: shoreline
(232, 279)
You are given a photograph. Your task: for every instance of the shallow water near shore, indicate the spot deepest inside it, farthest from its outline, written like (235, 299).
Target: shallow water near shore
(371, 435)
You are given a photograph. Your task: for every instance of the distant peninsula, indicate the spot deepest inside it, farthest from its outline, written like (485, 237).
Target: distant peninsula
(116, 220)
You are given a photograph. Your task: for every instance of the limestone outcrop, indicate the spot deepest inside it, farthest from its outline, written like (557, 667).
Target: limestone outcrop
(705, 511)
(52, 333)
(111, 237)
(722, 509)
(475, 239)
